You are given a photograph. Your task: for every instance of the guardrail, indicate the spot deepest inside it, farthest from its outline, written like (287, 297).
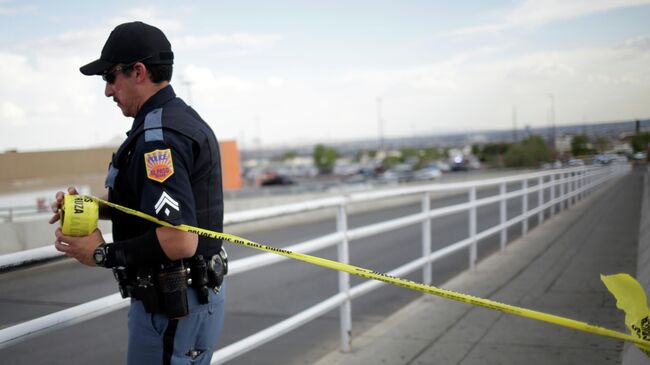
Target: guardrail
(10, 214)
(562, 188)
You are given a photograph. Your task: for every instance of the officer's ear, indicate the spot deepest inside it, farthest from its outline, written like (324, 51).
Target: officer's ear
(141, 72)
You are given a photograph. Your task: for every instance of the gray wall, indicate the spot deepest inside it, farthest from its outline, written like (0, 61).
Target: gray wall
(631, 355)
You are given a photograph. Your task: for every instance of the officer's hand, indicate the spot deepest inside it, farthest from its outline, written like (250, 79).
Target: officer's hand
(56, 204)
(79, 248)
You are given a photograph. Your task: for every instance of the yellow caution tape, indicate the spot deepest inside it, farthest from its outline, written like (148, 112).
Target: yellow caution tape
(639, 340)
(631, 298)
(79, 215)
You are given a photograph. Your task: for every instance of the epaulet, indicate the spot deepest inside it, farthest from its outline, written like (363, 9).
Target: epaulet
(154, 127)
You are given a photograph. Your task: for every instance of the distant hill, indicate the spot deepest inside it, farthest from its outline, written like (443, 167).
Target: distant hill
(611, 130)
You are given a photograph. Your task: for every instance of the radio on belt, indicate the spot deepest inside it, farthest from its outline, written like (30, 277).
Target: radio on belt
(79, 215)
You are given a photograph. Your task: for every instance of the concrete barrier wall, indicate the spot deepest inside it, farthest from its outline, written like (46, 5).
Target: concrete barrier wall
(18, 236)
(631, 355)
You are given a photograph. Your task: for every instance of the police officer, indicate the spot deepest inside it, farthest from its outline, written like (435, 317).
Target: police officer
(168, 167)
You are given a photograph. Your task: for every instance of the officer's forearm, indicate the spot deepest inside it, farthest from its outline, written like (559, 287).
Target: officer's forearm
(152, 248)
(144, 250)
(177, 244)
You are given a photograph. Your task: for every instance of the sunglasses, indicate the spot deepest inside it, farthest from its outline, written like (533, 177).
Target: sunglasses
(109, 76)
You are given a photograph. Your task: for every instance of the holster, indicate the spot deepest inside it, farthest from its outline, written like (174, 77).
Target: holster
(164, 290)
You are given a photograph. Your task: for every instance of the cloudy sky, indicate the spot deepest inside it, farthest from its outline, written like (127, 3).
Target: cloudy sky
(281, 73)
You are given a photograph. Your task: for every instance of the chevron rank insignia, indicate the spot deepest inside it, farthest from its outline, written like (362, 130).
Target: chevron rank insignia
(159, 164)
(167, 208)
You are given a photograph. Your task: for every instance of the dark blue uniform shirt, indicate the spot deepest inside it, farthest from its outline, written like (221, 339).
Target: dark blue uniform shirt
(169, 167)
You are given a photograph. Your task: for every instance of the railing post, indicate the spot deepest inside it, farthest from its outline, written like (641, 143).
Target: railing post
(524, 207)
(579, 186)
(504, 215)
(540, 200)
(344, 279)
(472, 228)
(572, 188)
(583, 183)
(426, 239)
(553, 187)
(562, 182)
(569, 186)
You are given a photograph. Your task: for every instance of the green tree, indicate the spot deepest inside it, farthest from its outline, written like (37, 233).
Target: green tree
(531, 152)
(580, 145)
(408, 152)
(640, 142)
(476, 149)
(493, 153)
(289, 155)
(390, 161)
(431, 154)
(325, 158)
(601, 144)
(427, 155)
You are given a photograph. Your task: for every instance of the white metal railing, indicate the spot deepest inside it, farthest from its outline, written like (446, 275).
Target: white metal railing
(564, 188)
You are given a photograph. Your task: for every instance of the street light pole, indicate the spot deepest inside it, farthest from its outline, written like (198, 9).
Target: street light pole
(380, 126)
(552, 120)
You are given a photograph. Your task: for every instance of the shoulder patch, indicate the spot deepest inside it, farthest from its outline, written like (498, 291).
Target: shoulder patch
(159, 165)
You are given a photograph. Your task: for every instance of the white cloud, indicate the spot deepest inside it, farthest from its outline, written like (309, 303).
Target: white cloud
(150, 15)
(11, 113)
(203, 79)
(10, 8)
(467, 93)
(243, 40)
(275, 81)
(532, 14)
(641, 42)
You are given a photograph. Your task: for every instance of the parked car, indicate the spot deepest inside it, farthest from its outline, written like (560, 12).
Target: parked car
(277, 180)
(428, 173)
(398, 173)
(459, 164)
(575, 162)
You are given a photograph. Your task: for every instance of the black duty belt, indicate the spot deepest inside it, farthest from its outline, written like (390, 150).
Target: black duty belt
(164, 290)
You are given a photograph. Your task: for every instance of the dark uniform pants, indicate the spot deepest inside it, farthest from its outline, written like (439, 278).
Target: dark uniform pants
(155, 339)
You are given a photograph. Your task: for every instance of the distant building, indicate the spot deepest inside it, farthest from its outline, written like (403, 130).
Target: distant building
(563, 144)
(69, 167)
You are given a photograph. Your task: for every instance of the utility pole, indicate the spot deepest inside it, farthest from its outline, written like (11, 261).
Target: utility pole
(552, 122)
(188, 84)
(380, 126)
(258, 140)
(514, 124)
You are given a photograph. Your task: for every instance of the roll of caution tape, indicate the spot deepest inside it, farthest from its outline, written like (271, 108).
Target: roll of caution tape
(79, 215)
(639, 340)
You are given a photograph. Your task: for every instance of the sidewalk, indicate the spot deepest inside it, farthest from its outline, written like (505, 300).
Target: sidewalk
(556, 269)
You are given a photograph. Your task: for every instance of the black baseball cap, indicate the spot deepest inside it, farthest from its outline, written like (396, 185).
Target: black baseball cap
(129, 43)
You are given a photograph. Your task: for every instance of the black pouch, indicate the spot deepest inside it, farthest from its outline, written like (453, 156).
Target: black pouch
(200, 278)
(172, 280)
(217, 269)
(122, 277)
(145, 290)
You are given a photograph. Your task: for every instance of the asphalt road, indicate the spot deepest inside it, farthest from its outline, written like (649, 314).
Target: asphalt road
(256, 299)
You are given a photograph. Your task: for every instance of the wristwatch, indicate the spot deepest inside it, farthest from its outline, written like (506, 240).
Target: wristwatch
(99, 255)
